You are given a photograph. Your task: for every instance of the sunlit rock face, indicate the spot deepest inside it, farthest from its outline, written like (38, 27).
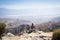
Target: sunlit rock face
(39, 35)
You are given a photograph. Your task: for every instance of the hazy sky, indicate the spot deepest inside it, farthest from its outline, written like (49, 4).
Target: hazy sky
(30, 8)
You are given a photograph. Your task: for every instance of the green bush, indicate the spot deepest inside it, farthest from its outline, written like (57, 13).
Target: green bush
(56, 35)
(2, 29)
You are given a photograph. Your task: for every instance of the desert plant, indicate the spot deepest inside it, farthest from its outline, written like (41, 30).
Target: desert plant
(2, 29)
(56, 35)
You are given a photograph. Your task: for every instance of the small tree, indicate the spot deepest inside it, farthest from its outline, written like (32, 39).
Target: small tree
(56, 35)
(2, 29)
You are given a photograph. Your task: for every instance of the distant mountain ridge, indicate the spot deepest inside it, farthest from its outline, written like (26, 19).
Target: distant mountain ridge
(56, 19)
(12, 24)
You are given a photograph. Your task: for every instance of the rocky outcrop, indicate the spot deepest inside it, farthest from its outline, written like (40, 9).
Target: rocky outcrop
(39, 35)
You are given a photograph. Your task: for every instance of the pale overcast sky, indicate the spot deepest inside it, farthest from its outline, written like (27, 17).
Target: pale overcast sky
(30, 8)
